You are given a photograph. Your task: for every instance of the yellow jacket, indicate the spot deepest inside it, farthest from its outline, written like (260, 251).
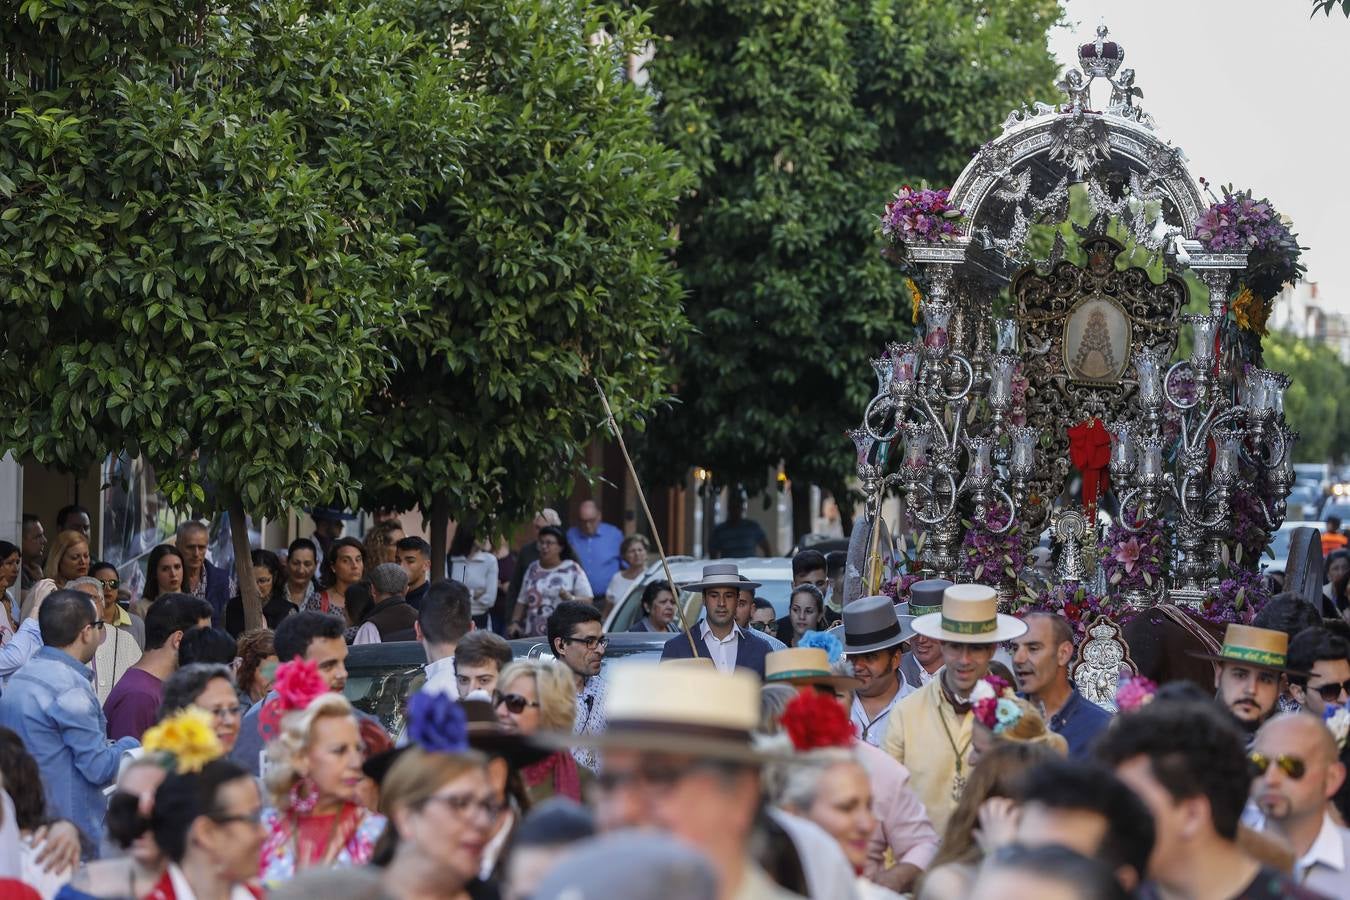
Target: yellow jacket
(916, 737)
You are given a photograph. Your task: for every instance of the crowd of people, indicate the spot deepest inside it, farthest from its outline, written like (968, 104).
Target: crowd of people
(933, 748)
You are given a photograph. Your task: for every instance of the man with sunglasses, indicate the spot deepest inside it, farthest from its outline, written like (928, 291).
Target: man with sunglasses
(1326, 657)
(50, 703)
(576, 636)
(1297, 770)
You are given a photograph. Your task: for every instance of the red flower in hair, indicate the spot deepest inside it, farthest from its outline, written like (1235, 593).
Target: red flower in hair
(297, 683)
(814, 720)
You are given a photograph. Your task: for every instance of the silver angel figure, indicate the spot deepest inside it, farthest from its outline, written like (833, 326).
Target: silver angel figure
(1123, 90)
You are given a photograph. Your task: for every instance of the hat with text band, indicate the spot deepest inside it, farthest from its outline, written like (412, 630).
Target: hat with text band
(1260, 648)
(805, 665)
(925, 597)
(969, 616)
(871, 624)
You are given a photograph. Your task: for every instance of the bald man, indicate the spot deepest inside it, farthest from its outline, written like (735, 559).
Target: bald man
(1299, 771)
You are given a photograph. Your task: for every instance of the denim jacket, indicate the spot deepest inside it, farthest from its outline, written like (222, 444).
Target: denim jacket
(50, 703)
(26, 642)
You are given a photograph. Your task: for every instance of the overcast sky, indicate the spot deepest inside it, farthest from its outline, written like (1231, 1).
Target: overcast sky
(1255, 93)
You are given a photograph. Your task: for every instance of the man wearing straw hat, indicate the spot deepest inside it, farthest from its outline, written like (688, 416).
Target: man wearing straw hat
(678, 757)
(873, 633)
(1251, 667)
(930, 730)
(717, 636)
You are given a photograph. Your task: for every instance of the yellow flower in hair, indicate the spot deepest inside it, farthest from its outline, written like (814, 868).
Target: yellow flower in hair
(189, 736)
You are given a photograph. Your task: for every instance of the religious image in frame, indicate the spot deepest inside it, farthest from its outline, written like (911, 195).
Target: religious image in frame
(1096, 340)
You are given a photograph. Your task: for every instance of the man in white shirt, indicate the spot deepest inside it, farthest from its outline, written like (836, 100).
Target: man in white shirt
(717, 636)
(441, 622)
(872, 634)
(1299, 771)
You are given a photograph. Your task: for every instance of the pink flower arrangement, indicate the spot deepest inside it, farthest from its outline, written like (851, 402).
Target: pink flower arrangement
(1072, 600)
(1135, 560)
(898, 587)
(990, 558)
(923, 216)
(1134, 693)
(984, 700)
(297, 683)
(1240, 223)
(1236, 599)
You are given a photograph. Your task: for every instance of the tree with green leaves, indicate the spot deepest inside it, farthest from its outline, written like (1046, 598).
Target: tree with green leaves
(801, 118)
(201, 240)
(552, 266)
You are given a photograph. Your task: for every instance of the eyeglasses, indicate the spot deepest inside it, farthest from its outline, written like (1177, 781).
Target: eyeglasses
(100, 624)
(514, 702)
(1289, 765)
(226, 712)
(760, 626)
(590, 642)
(460, 805)
(1332, 692)
(111, 584)
(253, 818)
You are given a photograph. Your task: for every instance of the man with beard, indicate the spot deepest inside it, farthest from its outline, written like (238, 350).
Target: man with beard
(1298, 771)
(1041, 662)
(872, 634)
(717, 636)
(1252, 664)
(930, 730)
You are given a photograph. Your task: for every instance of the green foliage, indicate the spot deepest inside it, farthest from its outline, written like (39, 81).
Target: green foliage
(800, 118)
(1313, 405)
(551, 260)
(1326, 6)
(198, 253)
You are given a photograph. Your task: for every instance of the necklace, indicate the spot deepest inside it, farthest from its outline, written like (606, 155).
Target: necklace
(959, 782)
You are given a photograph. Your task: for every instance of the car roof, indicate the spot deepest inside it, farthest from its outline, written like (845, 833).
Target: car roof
(687, 571)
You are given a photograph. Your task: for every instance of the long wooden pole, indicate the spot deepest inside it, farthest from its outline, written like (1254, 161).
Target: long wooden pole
(647, 510)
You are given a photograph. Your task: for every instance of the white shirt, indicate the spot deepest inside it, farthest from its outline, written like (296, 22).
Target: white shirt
(367, 634)
(441, 677)
(925, 676)
(1324, 867)
(478, 573)
(620, 586)
(183, 891)
(722, 651)
(874, 730)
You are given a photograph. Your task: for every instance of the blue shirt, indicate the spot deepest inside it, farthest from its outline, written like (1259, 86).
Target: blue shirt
(1078, 722)
(598, 554)
(22, 647)
(50, 703)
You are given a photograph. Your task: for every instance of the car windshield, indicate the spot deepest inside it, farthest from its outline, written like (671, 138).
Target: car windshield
(1279, 543)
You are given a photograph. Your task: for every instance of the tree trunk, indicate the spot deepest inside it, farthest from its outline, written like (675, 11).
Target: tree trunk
(440, 527)
(243, 567)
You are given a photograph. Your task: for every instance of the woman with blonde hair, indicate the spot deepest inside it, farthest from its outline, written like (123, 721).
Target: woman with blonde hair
(68, 558)
(535, 695)
(440, 805)
(313, 775)
(1002, 716)
(985, 816)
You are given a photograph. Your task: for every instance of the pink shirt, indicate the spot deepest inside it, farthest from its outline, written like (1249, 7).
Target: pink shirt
(902, 822)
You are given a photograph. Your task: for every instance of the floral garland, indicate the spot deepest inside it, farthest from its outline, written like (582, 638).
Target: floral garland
(1240, 223)
(1236, 599)
(1071, 600)
(988, 557)
(1249, 527)
(1135, 560)
(898, 587)
(923, 216)
(994, 704)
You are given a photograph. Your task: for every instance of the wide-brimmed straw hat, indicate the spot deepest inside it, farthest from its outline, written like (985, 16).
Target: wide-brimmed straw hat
(873, 623)
(690, 710)
(925, 597)
(805, 665)
(721, 575)
(1260, 648)
(969, 616)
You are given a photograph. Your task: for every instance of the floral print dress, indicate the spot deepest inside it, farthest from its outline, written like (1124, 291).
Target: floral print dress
(349, 836)
(542, 591)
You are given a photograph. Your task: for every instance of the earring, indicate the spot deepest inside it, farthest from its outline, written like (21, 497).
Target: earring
(304, 796)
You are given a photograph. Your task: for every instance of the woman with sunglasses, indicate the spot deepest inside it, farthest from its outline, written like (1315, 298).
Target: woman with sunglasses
(535, 695)
(658, 609)
(209, 824)
(105, 573)
(441, 808)
(554, 577)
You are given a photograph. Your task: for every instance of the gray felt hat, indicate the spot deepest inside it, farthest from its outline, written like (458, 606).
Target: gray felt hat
(871, 624)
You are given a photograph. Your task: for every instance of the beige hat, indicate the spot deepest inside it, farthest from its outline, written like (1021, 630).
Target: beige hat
(692, 710)
(804, 665)
(969, 616)
(1262, 648)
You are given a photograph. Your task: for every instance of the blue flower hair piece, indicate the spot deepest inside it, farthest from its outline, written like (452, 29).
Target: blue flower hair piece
(437, 723)
(833, 647)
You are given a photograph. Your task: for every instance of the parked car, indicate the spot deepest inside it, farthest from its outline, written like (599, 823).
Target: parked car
(381, 677)
(1304, 501)
(773, 573)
